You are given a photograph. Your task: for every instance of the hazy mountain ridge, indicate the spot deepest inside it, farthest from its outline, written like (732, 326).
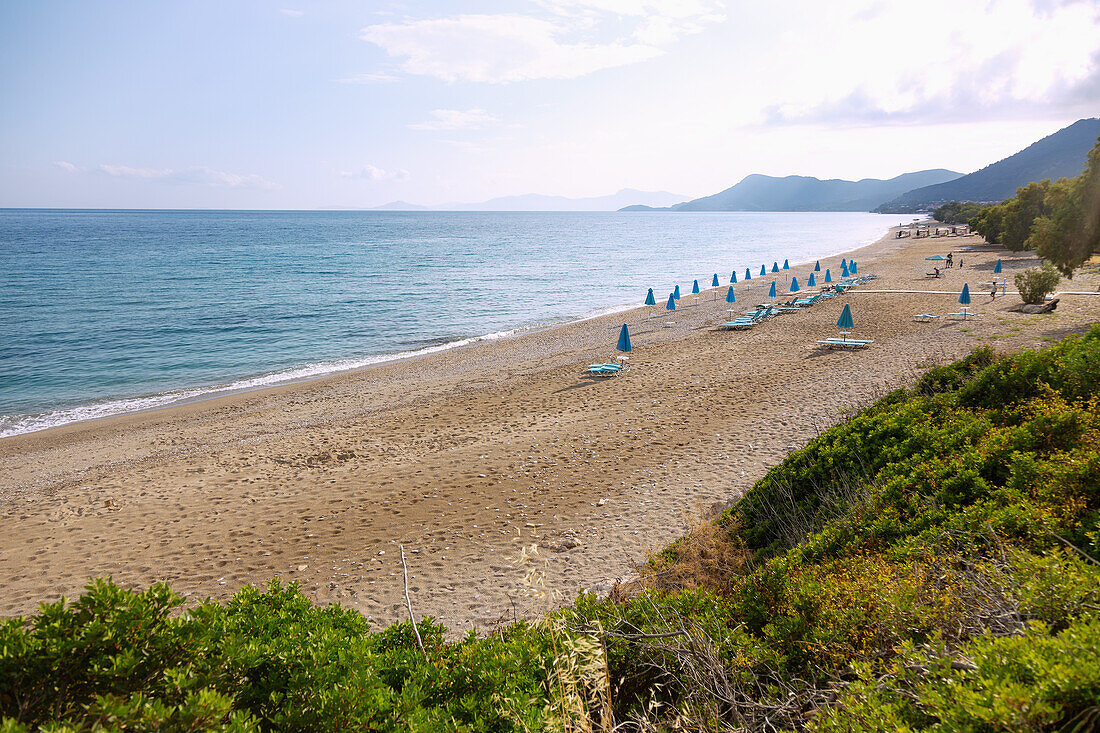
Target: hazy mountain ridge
(1055, 156)
(758, 192)
(543, 202)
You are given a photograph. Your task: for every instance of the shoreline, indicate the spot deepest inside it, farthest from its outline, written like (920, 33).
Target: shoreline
(229, 388)
(470, 455)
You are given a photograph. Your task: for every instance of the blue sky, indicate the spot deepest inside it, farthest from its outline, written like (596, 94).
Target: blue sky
(249, 104)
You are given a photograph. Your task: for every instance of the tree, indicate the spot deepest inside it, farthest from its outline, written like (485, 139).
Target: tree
(1069, 234)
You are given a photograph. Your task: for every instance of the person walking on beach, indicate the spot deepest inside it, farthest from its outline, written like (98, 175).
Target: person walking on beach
(949, 254)
(993, 292)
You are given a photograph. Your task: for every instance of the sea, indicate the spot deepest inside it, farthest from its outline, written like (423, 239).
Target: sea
(107, 312)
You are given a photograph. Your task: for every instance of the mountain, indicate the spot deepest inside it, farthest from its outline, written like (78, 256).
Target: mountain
(1055, 156)
(801, 193)
(399, 206)
(540, 202)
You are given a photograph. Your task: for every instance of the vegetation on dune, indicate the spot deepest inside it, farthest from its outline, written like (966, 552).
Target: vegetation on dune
(931, 563)
(1059, 220)
(956, 212)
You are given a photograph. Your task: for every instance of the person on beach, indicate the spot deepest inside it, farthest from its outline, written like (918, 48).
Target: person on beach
(960, 263)
(949, 255)
(992, 292)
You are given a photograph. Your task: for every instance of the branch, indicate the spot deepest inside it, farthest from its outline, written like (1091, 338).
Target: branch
(408, 603)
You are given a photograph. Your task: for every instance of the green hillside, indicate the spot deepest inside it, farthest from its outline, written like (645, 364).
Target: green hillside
(932, 563)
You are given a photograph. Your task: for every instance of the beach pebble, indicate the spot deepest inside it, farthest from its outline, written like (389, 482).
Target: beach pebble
(302, 567)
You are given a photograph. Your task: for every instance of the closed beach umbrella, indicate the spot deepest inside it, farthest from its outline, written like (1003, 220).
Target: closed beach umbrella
(852, 267)
(624, 339)
(763, 270)
(843, 262)
(845, 321)
(964, 296)
(775, 266)
(794, 285)
(671, 304)
(733, 277)
(695, 287)
(828, 276)
(997, 267)
(714, 283)
(786, 265)
(676, 293)
(817, 266)
(649, 299)
(748, 275)
(730, 297)
(811, 282)
(771, 293)
(844, 269)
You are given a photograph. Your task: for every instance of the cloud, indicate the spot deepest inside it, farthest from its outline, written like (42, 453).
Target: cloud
(195, 175)
(562, 39)
(1017, 59)
(291, 13)
(455, 119)
(374, 173)
(66, 166)
(380, 77)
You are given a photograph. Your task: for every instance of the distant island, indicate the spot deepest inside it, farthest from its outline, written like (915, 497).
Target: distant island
(541, 202)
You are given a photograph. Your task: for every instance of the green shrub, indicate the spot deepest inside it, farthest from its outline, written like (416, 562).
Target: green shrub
(1036, 283)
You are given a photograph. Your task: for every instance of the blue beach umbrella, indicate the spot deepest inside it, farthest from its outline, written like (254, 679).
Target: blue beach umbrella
(775, 266)
(714, 283)
(828, 276)
(730, 298)
(763, 270)
(844, 269)
(811, 281)
(964, 296)
(771, 293)
(997, 267)
(794, 285)
(852, 267)
(695, 288)
(733, 277)
(748, 275)
(671, 304)
(624, 339)
(649, 299)
(676, 293)
(843, 262)
(845, 321)
(817, 266)
(935, 257)
(786, 265)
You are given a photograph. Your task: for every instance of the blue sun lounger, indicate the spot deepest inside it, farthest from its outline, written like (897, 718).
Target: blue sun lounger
(604, 370)
(926, 317)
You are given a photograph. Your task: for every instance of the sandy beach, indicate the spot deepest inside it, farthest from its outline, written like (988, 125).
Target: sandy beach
(467, 456)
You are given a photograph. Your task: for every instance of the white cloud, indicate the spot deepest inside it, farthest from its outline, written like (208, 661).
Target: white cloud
(291, 13)
(371, 78)
(373, 173)
(456, 119)
(66, 166)
(562, 39)
(196, 175)
(1004, 59)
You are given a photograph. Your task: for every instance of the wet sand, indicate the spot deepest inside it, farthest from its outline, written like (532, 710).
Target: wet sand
(467, 456)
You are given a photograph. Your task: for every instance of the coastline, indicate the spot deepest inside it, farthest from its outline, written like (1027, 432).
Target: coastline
(467, 455)
(133, 404)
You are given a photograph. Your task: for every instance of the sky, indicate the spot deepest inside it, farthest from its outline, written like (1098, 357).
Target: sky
(244, 104)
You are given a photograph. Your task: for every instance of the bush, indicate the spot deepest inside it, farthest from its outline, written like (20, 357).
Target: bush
(1036, 283)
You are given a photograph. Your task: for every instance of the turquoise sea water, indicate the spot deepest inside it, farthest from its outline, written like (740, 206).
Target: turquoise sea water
(103, 312)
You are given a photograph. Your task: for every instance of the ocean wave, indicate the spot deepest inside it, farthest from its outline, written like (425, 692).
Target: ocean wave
(19, 424)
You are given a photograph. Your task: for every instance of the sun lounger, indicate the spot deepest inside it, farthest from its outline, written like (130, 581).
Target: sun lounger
(603, 370)
(933, 274)
(740, 324)
(835, 343)
(966, 314)
(926, 317)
